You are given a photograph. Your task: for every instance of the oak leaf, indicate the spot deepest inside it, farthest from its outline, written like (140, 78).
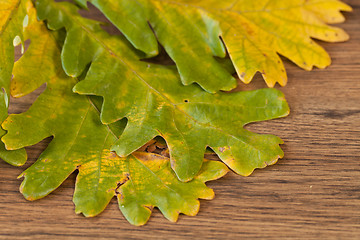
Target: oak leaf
(254, 33)
(12, 18)
(81, 142)
(155, 103)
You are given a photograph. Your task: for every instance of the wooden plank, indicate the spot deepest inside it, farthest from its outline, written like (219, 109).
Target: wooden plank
(314, 192)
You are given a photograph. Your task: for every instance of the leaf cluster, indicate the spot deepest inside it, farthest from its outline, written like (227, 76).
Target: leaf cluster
(103, 103)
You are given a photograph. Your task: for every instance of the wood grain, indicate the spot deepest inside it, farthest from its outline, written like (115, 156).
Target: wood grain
(314, 192)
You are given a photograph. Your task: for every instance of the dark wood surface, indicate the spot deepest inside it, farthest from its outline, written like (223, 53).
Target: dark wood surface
(314, 192)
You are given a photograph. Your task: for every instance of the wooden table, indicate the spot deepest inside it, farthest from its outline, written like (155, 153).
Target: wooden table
(314, 192)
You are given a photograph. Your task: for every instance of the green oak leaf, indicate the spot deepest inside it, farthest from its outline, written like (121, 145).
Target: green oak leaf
(155, 103)
(12, 20)
(81, 142)
(254, 33)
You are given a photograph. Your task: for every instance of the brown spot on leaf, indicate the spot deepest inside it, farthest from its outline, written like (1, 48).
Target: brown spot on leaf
(122, 182)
